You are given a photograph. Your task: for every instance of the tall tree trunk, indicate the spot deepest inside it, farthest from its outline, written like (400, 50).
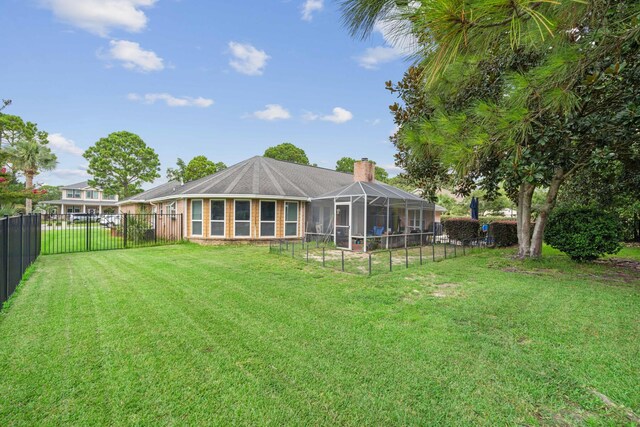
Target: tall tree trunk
(543, 215)
(29, 185)
(523, 219)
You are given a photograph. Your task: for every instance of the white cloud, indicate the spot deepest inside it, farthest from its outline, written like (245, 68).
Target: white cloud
(374, 56)
(247, 59)
(338, 115)
(392, 169)
(272, 112)
(133, 57)
(101, 16)
(60, 144)
(170, 100)
(311, 6)
(398, 43)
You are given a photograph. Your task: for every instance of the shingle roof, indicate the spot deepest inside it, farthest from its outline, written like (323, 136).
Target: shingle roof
(266, 177)
(162, 190)
(76, 186)
(259, 176)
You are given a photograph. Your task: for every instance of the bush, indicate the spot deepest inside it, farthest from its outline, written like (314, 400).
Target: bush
(504, 233)
(461, 228)
(583, 233)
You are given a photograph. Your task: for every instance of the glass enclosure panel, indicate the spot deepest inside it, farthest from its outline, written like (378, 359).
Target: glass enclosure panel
(243, 210)
(217, 210)
(267, 211)
(357, 217)
(343, 216)
(320, 217)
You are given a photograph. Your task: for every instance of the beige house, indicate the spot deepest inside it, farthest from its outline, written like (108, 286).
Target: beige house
(259, 199)
(82, 198)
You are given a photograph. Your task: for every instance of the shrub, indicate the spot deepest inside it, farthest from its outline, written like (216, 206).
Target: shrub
(584, 233)
(462, 228)
(504, 233)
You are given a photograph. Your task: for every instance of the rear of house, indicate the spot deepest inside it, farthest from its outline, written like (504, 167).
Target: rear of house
(259, 199)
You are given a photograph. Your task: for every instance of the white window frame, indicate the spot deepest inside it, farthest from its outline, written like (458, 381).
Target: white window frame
(201, 220)
(234, 218)
(297, 221)
(223, 221)
(172, 209)
(87, 192)
(73, 192)
(275, 218)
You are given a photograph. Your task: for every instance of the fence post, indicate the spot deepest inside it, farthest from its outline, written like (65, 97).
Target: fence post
(155, 228)
(369, 263)
(293, 249)
(342, 260)
(21, 244)
(307, 253)
(323, 256)
(433, 251)
(463, 251)
(125, 230)
(445, 251)
(455, 252)
(280, 247)
(88, 233)
(5, 261)
(406, 257)
(181, 228)
(420, 255)
(390, 262)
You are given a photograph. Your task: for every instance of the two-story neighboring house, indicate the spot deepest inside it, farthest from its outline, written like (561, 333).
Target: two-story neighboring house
(83, 198)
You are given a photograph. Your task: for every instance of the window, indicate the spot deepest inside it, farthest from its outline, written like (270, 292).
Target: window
(196, 217)
(108, 197)
(291, 219)
(74, 194)
(242, 224)
(172, 210)
(414, 219)
(217, 218)
(92, 194)
(267, 219)
(73, 209)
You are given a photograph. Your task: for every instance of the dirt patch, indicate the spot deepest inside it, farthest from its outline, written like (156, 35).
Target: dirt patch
(445, 290)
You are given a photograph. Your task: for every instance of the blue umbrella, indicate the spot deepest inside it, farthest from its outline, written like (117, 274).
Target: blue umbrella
(474, 208)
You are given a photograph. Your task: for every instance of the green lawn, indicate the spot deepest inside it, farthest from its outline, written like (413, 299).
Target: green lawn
(188, 335)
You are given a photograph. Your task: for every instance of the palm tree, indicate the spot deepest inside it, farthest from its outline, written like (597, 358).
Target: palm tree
(31, 157)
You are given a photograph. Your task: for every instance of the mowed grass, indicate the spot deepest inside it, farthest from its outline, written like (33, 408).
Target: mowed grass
(189, 335)
(77, 238)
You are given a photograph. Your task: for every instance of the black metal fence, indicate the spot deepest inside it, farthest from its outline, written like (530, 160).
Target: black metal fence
(66, 233)
(378, 261)
(20, 238)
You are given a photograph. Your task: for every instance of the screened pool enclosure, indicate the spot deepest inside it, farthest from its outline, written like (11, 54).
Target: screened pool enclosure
(366, 216)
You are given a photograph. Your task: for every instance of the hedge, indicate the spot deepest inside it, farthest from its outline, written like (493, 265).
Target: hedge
(461, 228)
(583, 233)
(504, 233)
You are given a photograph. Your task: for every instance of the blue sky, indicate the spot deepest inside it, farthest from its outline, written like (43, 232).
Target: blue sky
(223, 79)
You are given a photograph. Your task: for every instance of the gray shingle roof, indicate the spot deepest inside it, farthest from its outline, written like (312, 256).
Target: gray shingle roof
(265, 177)
(162, 190)
(76, 186)
(259, 176)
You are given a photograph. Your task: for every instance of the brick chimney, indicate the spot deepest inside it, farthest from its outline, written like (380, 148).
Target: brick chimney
(364, 171)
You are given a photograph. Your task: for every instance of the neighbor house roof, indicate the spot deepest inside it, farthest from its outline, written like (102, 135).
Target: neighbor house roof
(74, 202)
(76, 186)
(257, 176)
